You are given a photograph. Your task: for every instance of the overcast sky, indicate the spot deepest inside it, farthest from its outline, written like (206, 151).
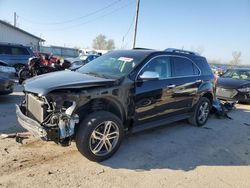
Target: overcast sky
(216, 26)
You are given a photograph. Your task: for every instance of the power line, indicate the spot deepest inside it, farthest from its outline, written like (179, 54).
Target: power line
(73, 19)
(95, 19)
(130, 26)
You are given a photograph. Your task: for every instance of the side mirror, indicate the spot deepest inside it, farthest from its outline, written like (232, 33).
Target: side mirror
(149, 75)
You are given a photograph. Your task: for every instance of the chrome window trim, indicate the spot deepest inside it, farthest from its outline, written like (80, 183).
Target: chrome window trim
(173, 76)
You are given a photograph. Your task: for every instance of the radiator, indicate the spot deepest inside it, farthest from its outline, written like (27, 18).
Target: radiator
(35, 108)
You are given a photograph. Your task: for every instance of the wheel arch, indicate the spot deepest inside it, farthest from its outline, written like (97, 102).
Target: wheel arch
(207, 90)
(209, 96)
(100, 104)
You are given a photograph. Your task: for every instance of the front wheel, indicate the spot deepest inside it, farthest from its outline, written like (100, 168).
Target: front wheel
(201, 112)
(99, 135)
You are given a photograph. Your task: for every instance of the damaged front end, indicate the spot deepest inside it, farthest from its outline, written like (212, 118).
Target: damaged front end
(48, 118)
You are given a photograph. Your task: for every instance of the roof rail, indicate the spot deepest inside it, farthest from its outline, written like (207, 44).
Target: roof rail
(181, 51)
(142, 49)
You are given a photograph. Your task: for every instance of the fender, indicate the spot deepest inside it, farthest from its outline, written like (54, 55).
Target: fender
(206, 88)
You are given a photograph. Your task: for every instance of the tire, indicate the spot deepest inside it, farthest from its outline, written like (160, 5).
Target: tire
(195, 119)
(88, 135)
(23, 74)
(18, 67)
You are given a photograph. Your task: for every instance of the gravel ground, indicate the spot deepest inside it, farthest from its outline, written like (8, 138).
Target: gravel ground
(178, 155)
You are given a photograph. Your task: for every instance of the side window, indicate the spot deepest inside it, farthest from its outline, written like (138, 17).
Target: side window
(204, 66)
(161, 65)
(19, 51)
(5, 50)
(196, 70)
(184, 67)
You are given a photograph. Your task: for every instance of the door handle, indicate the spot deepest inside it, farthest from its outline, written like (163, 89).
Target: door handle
(171, 86)
(198, 81)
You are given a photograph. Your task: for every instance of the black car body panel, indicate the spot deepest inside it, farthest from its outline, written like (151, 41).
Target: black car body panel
(44, 84)
(139, 103)
(230, 83)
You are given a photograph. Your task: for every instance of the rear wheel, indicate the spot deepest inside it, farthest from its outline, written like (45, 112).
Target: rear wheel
(99, 135)
(201, 112)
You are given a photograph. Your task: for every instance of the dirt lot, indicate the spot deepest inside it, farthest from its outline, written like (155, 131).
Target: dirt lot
(178, 155)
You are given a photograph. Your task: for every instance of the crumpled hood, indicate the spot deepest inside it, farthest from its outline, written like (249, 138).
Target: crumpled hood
(46, 83)
(230, 83)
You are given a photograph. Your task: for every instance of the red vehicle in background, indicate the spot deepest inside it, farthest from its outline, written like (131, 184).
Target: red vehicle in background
(47, 58)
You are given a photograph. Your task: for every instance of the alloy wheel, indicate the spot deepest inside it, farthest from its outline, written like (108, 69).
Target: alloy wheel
(104, 138)
(203, 112)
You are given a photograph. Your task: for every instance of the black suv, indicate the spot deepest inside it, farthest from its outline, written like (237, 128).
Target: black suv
(119, 92)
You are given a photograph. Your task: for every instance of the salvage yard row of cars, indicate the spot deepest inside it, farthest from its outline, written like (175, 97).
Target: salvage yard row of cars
(234, 85)
(15, 58)
(123, 91)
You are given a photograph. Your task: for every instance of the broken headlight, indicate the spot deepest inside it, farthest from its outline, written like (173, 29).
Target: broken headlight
(244, 89)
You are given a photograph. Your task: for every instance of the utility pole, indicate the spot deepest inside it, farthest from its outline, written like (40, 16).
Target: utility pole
(136, 21)
(15, 19)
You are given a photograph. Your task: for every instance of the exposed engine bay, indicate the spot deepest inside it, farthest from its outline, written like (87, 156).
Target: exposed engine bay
(57, 118)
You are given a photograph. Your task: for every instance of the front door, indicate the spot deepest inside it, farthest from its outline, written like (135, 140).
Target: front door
(154, 98)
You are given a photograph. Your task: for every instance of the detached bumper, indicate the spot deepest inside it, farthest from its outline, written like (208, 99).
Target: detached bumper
(31, 125)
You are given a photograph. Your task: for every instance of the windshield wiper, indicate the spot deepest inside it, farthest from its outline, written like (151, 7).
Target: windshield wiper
(96, 74)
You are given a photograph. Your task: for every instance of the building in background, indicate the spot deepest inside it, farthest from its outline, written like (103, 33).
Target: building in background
(12, 34)
(60, 51)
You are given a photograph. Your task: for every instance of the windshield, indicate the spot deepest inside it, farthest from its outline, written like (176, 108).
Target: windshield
(114, 64)
(83, 57)
(237, 74)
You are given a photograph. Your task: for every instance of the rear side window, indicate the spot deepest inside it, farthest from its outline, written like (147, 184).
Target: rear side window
(184, 67)
(19, 51)
(5, 50)
(204, 66)
(8, 50)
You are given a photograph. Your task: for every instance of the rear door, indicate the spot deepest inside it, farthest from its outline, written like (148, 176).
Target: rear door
(187, 82)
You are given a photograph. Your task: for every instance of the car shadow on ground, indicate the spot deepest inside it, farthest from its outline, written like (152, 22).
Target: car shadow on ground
(8, 120)
(179, 146)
